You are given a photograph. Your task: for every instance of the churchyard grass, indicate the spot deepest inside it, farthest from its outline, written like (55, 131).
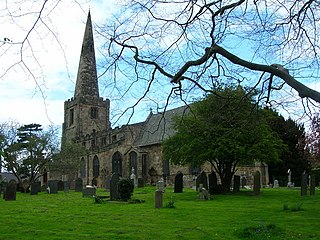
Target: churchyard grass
(272, 215)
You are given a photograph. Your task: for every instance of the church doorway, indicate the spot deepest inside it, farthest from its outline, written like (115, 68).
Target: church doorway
(117, 163)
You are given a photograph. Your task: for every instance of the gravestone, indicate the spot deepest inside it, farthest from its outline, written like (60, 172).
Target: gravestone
(114, 193)
(178, 183)
(160, 185)
(213, 183)
(236, 183)
(66, 186)
(203, 193)
(108, 179)
(276, 184)
(35, 188)
(89, 191)
(4, 187)
(312, 184)
(202, 179)
(256, 183)
(140, 182)
(53, 186)
(79, 185)
(60, 185)
(243, 182)
(158, 199)
(11, 190)
(304, 184)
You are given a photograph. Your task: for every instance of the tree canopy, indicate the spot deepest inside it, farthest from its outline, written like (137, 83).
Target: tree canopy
(27, 150)
(226, 129)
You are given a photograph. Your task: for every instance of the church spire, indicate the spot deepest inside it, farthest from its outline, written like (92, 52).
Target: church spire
(87, 81)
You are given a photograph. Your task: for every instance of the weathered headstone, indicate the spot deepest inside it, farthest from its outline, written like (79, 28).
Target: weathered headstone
(60, 185)
(236, 183)
(108, 179)
(276, 184)
(66, 186)
(35, 188)
(160, 185)
(53, 186)
(89, 191)
(256, 183)
(312, 184)
(213, 183)
(178, 183)
(4, 187)
(202, 179)
(203, 193)
(140, 182)
(11, 191)
(114, 192)
(158, 199)
(79, 185)
(304, 184)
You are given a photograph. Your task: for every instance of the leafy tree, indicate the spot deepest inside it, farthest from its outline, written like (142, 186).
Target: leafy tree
(29, 152)
(294, 156)
(226, 129)
(68, 160)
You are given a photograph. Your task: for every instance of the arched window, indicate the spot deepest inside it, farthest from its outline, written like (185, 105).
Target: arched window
(96, 166)
(133, 162)
(117, 163)
(82, 168)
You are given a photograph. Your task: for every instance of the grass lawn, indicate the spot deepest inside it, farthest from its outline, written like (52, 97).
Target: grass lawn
(275, 214)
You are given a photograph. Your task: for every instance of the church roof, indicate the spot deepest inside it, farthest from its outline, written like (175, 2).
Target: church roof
(87, 81)
(159, 127)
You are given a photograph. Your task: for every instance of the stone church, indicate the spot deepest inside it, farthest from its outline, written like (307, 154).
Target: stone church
(130, 148)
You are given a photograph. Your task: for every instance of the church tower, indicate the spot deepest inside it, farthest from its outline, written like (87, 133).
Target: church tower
(86, 112)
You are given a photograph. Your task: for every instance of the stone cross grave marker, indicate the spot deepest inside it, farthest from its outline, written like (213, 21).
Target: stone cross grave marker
(114, 193)
(256, 183)
(236, 183)
(11, 191)
(79, 185)
(178, 183)
(213, 183)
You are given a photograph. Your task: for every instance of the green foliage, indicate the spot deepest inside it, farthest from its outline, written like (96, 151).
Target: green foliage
(262, 231)
(125, 188)
(170, 204)
(227, 129)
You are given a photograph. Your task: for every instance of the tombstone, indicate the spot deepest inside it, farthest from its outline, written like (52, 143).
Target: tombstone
(178, 183)
(60, 185)
(312, 184)
(158, 199)
(202, 179)
(53, 186)
(140, 182)
(213, 183)
(4, 187)
(66, 186)
(276, 184)
(160, 185)
(79, 185)
(256, 183)
(133, 177)
(304, 184)
(290, 184)
(243, 182)
(35, 188)
(11, 190)
(114, 193)
(108, 179)
(89, 191)
(203, 193)
(236, 183)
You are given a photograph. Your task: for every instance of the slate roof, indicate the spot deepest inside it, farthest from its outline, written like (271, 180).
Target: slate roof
(159, 127)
